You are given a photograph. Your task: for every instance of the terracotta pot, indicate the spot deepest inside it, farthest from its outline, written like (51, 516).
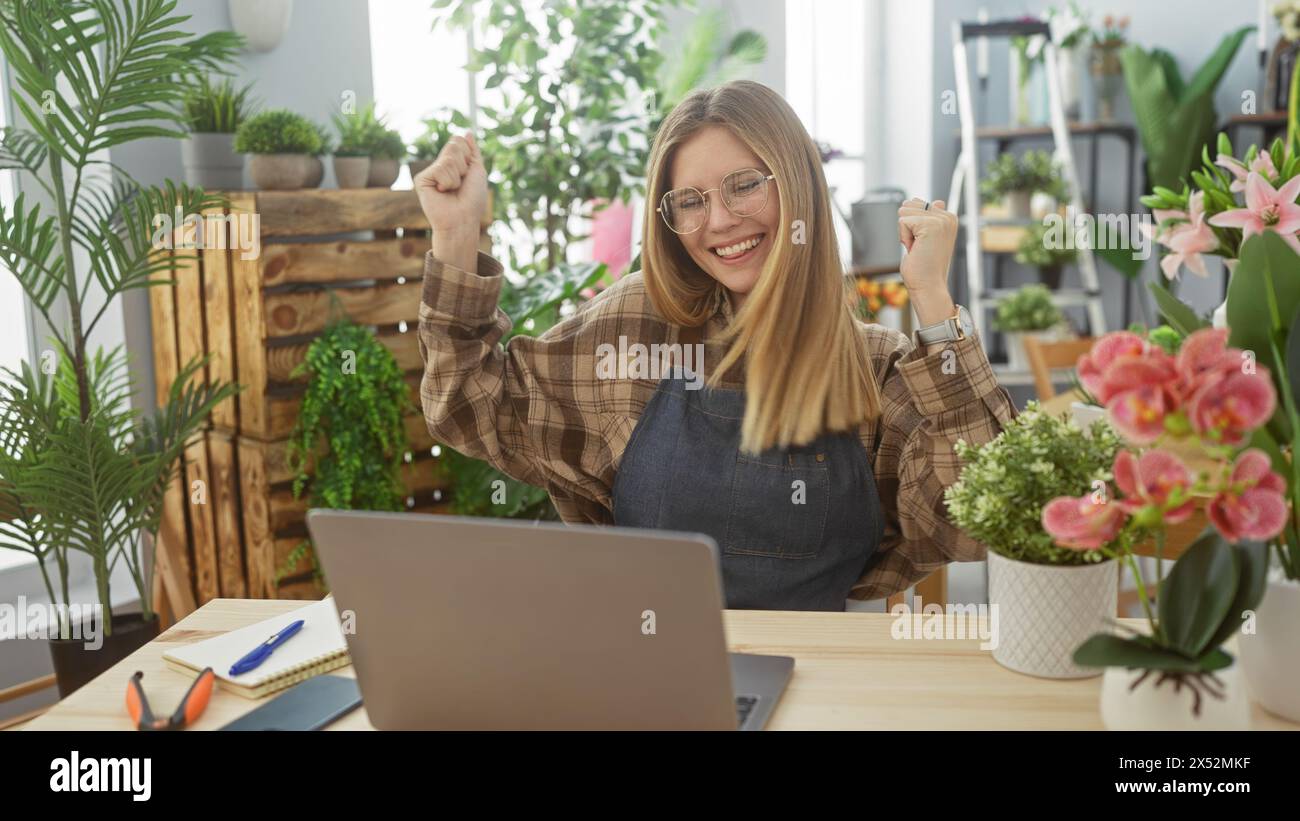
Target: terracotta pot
(278, 172)
(75, 663)
(383, 172)
(351, 172)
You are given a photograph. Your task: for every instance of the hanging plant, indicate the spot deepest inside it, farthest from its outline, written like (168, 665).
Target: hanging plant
(348, 445)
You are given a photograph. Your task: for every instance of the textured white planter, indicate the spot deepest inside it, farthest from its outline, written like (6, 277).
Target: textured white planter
(383, 172)
(279, 172)
(1046, 611)
(1271, 655)
(211, 162)
(351, 172)
(1084, 414)
(1148, 707)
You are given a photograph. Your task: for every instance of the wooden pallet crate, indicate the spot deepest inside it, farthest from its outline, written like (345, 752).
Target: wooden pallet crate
(255, 283)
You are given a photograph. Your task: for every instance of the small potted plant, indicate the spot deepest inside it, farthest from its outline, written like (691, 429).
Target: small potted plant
(386, 151)
(352, 155)
(1029, 311)
(1048, 598)
(213, 112)
(1175, 674)
(1013, 180)
(1036, 251)
(281, 144)
(1107, 73)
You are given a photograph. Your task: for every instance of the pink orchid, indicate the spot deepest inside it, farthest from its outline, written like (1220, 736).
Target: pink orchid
(1229, 408)
(1158, 480)
(1203, 355)
(1189, 240)
(1105, 351)
(1262, 165)
(1253, 506)
(1082, 523)
(1267, 209)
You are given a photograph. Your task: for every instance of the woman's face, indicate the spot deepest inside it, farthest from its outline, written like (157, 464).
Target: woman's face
(701, 162)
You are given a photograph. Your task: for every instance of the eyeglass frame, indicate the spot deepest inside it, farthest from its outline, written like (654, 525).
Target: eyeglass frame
(704, 195)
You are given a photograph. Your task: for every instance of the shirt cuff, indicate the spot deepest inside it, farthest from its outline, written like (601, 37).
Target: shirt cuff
(452, 291)
(947, 375)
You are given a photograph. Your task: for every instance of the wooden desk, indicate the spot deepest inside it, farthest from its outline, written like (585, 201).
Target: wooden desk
(849, 674)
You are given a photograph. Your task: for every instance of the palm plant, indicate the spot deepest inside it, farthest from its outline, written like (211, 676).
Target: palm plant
(79, 469)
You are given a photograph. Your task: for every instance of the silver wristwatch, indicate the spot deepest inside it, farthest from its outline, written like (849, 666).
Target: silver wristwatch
(958, 326)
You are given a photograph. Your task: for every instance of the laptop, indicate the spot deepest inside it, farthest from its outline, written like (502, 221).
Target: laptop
(477, 624)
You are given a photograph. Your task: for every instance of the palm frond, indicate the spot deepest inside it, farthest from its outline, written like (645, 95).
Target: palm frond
(29, 248)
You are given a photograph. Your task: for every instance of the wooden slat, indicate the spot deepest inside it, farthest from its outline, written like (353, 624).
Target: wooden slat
(421, 477)
(203, 536)
(304, 590)
(291, 314)
(172, 559)
(255, 490)
(282, 359)
(250, 333)
(329, 211)
(226, 507)
(283, 547)
(341, 261)
(190, 322)
(162, 314)
(219, 322)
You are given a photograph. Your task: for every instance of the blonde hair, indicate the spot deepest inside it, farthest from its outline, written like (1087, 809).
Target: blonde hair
(807, 370)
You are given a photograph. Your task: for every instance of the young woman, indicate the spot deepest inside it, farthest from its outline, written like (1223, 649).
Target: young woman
(818, 454)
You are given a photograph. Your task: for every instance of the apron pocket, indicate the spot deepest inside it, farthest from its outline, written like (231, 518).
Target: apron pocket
(778, 506)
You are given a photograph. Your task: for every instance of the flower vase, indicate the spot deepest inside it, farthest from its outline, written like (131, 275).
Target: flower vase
(1136, 699)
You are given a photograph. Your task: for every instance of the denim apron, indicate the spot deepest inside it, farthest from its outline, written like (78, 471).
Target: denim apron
(794, 527)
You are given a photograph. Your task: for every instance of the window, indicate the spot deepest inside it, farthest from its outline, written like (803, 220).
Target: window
(13, 304)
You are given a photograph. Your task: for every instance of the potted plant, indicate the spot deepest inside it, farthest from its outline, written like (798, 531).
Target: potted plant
(386, 151)
(1029, 310)
(281, 144)
(1013, 180)
(1036, 251)
(1210, 399)
(1048, 598)
(352, 155)
(1104, 64)
(81, 471)
(213, 112)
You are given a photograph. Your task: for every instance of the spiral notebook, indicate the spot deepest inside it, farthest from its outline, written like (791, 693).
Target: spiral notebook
(317, 648)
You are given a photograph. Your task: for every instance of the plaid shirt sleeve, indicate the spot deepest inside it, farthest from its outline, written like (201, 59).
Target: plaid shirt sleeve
(531, 407)
(930, 400)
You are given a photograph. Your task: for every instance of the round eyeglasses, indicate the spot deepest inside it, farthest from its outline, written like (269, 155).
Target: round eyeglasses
(744, 193)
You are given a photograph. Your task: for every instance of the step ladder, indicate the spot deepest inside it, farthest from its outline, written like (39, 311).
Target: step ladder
(964, 198)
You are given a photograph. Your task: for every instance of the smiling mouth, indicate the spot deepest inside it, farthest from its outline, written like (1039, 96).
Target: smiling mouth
(738, 249)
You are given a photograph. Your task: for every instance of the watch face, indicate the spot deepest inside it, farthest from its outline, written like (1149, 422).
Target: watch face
(963, 319)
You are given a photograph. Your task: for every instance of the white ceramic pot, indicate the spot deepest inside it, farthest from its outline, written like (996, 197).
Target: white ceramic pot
(1271, 655)
(211, 162)
(383, 172)
(1044, 612)
(1019, 204)
(1070, 64)
(1152, 706)
(262, 22)
(1084, 414)
(351, 172)
(279, 172)
(1017, 359)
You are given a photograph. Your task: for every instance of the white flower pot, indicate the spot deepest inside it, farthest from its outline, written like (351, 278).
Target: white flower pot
(1151, 707)
(1271, 655)
(1045, 612)
(211, 162)
(1018, 204)
(1084, 414)
(262, 22)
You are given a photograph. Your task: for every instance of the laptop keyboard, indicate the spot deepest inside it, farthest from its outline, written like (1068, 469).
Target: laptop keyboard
(744, 706)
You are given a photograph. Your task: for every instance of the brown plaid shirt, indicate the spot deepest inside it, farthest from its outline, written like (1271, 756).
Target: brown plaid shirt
(536, 409)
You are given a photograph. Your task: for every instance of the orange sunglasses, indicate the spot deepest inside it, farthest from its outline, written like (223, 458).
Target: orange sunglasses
(192, 705)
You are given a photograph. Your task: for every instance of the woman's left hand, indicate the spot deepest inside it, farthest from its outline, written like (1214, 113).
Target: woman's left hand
(929, 236)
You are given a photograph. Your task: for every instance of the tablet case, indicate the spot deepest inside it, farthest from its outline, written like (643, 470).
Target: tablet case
(311, 705)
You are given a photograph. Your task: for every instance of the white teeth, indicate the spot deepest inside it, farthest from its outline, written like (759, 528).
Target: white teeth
(738, 248)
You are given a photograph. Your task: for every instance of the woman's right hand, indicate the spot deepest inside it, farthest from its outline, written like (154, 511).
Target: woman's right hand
(453, 194)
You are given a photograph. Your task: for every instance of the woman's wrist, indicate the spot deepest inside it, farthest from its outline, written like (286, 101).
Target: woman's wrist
(931, 307)
(456, 248)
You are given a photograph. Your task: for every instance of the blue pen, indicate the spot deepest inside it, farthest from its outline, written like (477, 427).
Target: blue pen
(264, 650)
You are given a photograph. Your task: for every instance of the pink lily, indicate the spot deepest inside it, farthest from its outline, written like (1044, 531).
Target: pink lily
(1253, 506)
(1262, 165)
(1189, 240)
(1267, 209)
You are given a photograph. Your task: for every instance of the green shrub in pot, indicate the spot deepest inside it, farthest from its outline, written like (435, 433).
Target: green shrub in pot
(1036, 251)
(1049, 599)
(281, 144)
(213, 111)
